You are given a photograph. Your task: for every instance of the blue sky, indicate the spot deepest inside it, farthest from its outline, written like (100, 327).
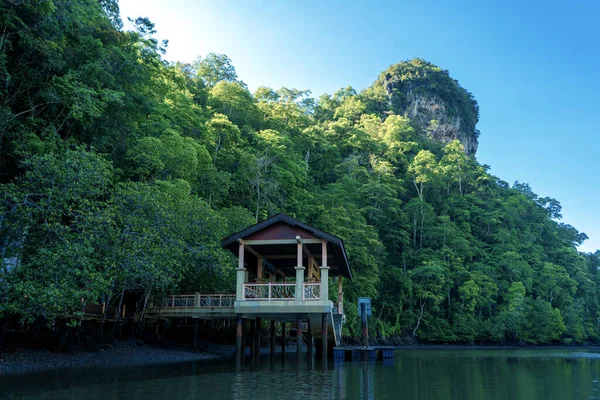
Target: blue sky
(531, 65)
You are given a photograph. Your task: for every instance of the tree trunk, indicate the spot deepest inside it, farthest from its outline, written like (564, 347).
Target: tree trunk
(422, 223)
(119, 308)
(414, 332)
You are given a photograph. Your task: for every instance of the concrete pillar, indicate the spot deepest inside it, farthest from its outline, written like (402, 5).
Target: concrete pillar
(195, 332)
(324, 283)
(240, 275)
(272, 341)
(340, 295)
(298, 336)
(299, 283)
(239, 329)
(324, 269)
(299, 272)
(324, 332)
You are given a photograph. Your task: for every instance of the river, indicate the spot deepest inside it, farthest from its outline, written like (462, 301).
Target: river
(415, 374)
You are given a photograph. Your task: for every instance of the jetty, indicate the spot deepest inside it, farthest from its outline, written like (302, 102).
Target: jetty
(285, 268)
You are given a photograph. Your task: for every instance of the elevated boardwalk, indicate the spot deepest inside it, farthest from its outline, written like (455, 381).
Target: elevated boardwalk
(225, 306)
(200, 306)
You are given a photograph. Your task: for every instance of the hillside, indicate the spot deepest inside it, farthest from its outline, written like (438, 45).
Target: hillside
(120, 172)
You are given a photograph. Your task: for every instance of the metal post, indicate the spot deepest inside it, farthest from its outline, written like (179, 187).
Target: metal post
(298, 336)
(238, 338)
(272, 341)
(365, 325)
(324, 332)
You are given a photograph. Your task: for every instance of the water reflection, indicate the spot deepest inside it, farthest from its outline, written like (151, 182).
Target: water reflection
(415, 374)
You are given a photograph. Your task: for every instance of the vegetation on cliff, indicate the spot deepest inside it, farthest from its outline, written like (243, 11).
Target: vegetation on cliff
(120, 172)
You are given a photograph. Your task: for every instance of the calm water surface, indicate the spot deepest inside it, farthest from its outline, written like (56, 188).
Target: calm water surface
(415, 374)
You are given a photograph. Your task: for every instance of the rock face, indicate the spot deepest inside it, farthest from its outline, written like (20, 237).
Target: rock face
(436, 104)
(431, 115)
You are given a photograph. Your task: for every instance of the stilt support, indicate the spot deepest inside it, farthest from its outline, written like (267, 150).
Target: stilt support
(298, 336)
(324, 332)
(257, 338)
(244, 333)
(272, 341)
(253, 340)
(283, 326)
(309, 338)
(239, 329)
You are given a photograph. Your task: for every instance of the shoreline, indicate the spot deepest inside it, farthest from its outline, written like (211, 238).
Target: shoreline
(129, 354)
(118, 354)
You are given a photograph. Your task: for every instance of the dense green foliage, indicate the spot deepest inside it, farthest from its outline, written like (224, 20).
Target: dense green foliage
(120, 172)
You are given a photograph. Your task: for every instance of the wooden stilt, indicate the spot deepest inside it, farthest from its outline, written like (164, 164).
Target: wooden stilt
(257, 338)
(324, 332)
(253, 340)
(283, 339)
(298, 336)
(244, 332)
(272, 341)
(239, 349)
(309, 337)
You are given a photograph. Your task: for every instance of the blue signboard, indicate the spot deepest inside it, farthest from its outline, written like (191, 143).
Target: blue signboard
(367, 302)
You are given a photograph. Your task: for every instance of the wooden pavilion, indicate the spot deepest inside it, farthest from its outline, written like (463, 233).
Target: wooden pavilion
(284, 272)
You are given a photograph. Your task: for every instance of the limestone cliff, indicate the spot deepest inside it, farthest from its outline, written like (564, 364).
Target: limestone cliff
(437, 105)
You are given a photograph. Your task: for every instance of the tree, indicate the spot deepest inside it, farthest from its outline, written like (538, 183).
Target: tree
(215, 68)
(428, 281)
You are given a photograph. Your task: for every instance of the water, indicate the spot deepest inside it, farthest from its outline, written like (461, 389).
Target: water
(415, 374)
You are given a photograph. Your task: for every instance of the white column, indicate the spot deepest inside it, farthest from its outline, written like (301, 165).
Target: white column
(340, 295)
(240, 275)
(324, 272)
(299, 272)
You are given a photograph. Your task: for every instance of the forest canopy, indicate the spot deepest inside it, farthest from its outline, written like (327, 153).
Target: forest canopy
(120, 172)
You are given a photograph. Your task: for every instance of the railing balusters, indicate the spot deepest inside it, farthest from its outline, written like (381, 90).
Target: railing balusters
(199, 301)
(269, 291)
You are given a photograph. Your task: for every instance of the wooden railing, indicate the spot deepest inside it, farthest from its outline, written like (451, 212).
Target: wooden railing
(199, 301)
(312, 291)
(217, 300)
(280, 291)
(269, 291)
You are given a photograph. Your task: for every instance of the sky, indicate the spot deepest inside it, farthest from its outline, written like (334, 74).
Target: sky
(531, 65)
